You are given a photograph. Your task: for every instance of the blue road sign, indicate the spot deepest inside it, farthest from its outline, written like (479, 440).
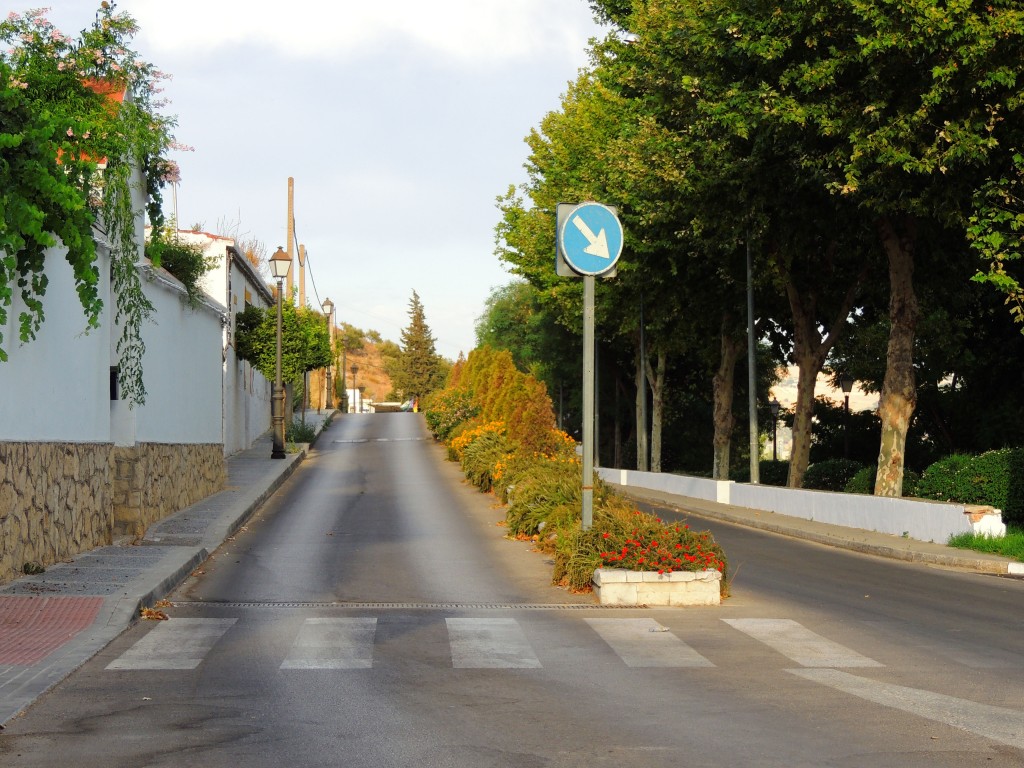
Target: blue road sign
(590, 239)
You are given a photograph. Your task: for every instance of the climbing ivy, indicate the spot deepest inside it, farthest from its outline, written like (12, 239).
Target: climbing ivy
(79, 115)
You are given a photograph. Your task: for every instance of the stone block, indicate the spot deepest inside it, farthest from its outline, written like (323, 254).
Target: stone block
(679, 588)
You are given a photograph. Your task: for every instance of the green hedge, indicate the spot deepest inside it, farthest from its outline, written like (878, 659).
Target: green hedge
(864, 481)
(831, 475)
(995, 478)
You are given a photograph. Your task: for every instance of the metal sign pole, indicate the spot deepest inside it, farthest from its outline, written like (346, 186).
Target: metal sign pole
(588, 402)
(588, 243)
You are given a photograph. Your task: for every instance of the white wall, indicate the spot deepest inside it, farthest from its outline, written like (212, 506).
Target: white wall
(918, 519)
(247, 394)
(181, 370)
(57, 387)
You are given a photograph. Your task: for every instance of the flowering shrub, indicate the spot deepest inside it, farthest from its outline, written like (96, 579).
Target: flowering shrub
(89, 107)
(447, 409)
(482, 456)
(458, 444)
(623, 537)
(662, 547)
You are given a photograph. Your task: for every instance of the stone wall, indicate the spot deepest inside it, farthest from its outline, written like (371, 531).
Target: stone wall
(60, 499)
(152, 481)
(54, 502)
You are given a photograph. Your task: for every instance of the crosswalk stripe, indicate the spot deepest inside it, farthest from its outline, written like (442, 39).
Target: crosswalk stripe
(800, 644)
(174, 644)
(997, 723)
(329, 643)
(490, 644)
(646, 643)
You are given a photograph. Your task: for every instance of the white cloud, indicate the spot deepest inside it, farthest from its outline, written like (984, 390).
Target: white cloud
(460, 30)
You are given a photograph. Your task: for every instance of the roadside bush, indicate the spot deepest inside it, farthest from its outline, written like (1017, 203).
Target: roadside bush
(831, 475)
(546, 496)
(995, 478)
(623, 537)
(774, 472)
(444, 411)
(297, 432)
(864, 481)
(482, 457)
(939, 480)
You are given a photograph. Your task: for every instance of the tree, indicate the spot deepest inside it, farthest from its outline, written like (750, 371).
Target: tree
(419, 371)
(305, 341)
(95, 115)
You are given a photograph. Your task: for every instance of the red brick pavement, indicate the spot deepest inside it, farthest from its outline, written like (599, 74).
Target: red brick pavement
(31, 628)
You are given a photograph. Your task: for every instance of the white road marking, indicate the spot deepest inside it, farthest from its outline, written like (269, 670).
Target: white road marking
(997, 723)
(325, 643)
(646, 643)
(490, 644)
(174, 644)
(798, 643)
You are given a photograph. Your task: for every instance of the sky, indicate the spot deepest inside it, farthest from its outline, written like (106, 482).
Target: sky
(401, 122)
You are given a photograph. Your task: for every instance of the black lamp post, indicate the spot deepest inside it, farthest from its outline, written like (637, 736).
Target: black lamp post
(329, 313)
(846, 382)
(775, 405)
(280, 264)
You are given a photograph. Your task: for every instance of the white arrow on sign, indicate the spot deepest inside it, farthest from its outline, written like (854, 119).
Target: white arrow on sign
(598, 243)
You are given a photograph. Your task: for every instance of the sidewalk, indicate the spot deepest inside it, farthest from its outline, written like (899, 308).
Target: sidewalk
(856, 539)
(52, 623)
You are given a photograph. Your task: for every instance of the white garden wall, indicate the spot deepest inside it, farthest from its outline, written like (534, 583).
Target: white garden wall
(918, 519)
(56, 388)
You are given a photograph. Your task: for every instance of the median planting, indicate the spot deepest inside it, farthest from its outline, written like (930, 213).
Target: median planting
(497, 423)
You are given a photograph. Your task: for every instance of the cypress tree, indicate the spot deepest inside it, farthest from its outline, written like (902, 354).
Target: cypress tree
(419, 371)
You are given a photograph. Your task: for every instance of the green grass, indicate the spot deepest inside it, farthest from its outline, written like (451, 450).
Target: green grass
(1012, 545)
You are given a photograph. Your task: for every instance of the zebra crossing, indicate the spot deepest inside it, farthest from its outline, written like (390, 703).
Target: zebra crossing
(348, 643)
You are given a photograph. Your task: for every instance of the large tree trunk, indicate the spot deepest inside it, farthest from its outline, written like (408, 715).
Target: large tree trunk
(723, 392)
(810, 351)
(657, 382)
(641, 409)
(809, 362)
(899, 389)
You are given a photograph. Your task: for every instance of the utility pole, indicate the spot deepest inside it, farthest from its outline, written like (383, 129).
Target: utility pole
(289, 249)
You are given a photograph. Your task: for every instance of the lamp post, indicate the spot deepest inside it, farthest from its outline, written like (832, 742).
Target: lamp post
(329, 313)
(355, 392)
(280, 264)
(775, 405)
(846, 382)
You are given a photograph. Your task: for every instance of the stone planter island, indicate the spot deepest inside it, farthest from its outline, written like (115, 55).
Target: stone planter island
(616, 586)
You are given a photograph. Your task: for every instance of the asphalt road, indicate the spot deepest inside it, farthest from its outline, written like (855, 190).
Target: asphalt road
(374, 615)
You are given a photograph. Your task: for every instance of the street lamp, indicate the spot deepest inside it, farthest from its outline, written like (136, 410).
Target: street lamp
(775, 405)
(355, 392)
(846, 382)
(329, 313)
(280, 264)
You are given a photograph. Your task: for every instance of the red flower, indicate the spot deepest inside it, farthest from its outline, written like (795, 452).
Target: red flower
(639, 559)
(605, 535)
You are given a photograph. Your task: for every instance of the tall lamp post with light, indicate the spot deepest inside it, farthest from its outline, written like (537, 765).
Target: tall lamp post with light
(847, 385)
(329, 313)
(280, 264)
(775, 406)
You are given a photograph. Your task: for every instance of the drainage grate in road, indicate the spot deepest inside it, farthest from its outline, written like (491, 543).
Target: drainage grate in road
(384, 440)
(402, 606)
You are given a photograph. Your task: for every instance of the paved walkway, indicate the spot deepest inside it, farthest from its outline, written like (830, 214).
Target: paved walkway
(52, 623)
